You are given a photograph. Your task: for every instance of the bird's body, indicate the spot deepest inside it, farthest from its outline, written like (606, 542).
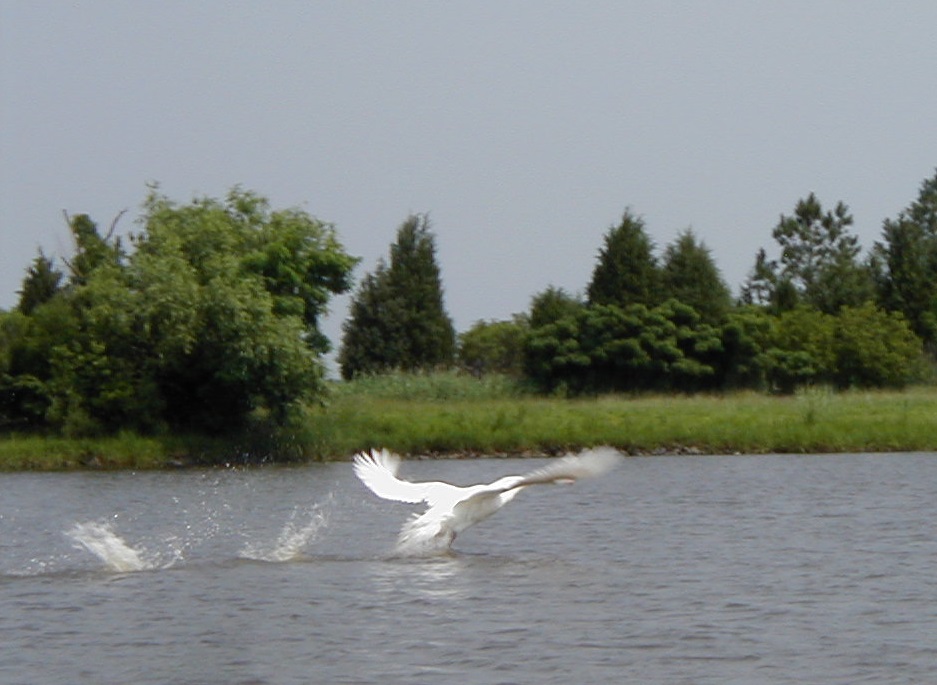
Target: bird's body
(452, 508)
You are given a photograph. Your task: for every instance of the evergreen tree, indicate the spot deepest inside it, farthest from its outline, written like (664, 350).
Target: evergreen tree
(494, 347)
(552, 305)
(398, 319)
(40, 284)
(766, 288)
(371, 334)
(819, 256)
(690, 276)
(907, 259)
(627, 271)
(819, 264)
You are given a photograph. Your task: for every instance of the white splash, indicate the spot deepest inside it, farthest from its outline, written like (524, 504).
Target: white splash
(101, 540)
(300, 529)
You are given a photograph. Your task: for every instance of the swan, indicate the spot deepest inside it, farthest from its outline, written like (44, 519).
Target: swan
(452, 508)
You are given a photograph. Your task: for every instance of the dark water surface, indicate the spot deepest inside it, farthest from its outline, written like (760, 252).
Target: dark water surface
(696, 570)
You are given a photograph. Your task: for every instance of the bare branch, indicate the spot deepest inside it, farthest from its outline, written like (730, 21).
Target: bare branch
(110, 231)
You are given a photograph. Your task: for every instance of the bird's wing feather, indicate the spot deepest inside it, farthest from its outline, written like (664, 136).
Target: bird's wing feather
(568, 469)
(588, 464)
(378, 470)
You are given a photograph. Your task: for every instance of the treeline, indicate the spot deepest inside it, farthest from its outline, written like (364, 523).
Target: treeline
(207, 320)
(821, 313)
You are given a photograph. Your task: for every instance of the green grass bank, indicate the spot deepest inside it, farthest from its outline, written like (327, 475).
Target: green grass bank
(446, 414)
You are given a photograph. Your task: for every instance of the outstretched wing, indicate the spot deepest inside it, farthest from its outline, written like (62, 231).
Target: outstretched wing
(587, 464)
(569, 469)
(378, 470)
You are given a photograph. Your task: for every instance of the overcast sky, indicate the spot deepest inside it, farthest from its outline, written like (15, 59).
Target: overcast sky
(523, 128)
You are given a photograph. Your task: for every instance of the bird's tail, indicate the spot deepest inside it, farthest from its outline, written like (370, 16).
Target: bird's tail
(423, 536)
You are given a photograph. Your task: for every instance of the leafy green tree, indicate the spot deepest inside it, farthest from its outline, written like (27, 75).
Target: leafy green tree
(92, 250)
(29, 344)
(402, 305)
(37, 335)
(861, 347)
(875, 349)
(689, 275)
(494, 347)
(210, 321)
(99, 376)
(907, 259)
(627, 271)
(233, 293)
(801, 350)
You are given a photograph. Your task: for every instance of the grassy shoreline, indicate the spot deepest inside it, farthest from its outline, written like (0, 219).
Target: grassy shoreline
(455, 422)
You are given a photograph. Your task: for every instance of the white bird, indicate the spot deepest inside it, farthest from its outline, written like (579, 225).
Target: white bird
(451, 508)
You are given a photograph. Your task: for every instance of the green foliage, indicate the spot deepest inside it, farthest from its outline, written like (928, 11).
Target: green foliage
(766, 288)
(208, 324)
(801, 350)
(745, 336)
(398, 319)
(29, 344)
(605, 348)
(40, 285)
(552, 305)
(627, 271)
(302, 265)
(372, 333)
(494, 347)
(861, 347)
(875, 349)
(92, 250)
(907, 263)
(232, 297)
(689, 275)
(818, 265)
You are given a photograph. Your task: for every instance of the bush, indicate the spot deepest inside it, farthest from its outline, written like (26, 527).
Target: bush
(875, 349)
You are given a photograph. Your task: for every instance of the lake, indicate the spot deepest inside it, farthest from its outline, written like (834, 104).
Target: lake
(696, 570)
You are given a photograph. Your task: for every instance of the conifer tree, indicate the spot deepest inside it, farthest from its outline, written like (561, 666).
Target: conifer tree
(551, 305)
(398, 319)
(691, 277)
(907, 259)
(40, 284)
(627, 271)
(818, 266)
(819, 256)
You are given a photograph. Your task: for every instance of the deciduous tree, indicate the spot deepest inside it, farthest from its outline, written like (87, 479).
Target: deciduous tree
(494, 347)
(211, 319)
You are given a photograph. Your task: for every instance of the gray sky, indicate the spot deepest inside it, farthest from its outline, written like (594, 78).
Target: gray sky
(523, 128)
